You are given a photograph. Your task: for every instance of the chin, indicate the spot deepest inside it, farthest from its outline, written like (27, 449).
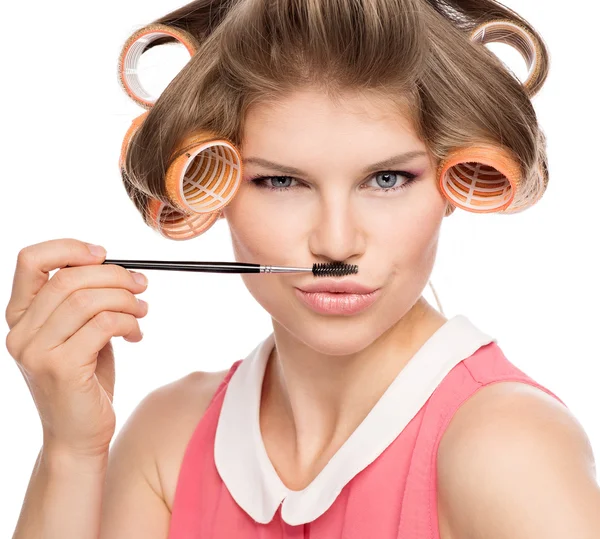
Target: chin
(336, 335)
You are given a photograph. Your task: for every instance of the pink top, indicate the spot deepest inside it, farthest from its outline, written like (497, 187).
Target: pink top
(381, 483)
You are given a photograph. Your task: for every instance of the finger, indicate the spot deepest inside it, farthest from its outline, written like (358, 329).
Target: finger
(34, 263)
(81, 307)
(76, 359)
(67, 281)
(96, 334)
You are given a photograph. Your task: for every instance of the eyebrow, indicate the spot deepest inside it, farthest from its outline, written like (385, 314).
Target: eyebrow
(395, 160)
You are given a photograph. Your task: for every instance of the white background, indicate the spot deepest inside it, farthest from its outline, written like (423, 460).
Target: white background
(528, 279)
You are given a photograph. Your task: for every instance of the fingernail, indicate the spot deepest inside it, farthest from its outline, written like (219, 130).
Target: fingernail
(97, 250)
(140, 278)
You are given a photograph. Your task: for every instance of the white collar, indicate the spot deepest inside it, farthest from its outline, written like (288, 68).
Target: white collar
(242, 460)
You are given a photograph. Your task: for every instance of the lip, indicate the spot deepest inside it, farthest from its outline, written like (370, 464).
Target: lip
(338, 287)
(337, 303)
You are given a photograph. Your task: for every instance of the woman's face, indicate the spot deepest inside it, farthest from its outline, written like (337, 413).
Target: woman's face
(336, 207)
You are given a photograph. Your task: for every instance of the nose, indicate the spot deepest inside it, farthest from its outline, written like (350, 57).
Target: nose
(336, 233)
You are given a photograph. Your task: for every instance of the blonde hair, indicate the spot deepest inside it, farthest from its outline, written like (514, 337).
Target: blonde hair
(425, 56)
(418, 53)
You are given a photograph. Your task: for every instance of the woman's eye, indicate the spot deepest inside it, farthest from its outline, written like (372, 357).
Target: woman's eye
(392, 180)
(280, 182)
(274, 183)
(386, 181)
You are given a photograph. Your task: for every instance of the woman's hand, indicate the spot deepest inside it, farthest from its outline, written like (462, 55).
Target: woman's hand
(60, 336)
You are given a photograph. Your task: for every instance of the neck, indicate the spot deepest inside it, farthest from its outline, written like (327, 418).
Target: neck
(311, 402)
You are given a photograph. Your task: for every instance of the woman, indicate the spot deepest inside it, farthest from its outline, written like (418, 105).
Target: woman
(384, 421)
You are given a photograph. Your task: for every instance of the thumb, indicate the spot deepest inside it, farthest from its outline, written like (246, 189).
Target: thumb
(105, 369)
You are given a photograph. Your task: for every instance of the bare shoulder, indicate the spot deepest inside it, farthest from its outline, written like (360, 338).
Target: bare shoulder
(146, 455)
(178, 407)
(515, 462)
(163, 423)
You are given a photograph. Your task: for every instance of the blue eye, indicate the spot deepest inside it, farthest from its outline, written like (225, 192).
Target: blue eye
(258, 180)
(392, 177)
(388, 176)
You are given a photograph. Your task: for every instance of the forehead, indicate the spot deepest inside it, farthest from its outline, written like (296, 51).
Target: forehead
(310, 121)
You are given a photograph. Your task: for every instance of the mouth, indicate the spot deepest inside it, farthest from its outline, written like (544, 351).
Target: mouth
(337, 286)
(337, 303)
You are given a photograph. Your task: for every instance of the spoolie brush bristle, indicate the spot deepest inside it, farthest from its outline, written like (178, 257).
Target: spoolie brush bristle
(334, 269)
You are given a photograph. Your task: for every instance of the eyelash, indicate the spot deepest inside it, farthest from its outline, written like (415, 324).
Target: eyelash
(410, 178)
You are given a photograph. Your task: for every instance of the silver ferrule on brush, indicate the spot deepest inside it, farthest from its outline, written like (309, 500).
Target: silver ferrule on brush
(283, 269)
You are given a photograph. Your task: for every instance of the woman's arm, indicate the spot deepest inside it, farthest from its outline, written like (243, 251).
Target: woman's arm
(60, 331)
(63, 497)
(117, 496)
(146, 456)
(516, 464)
(133, 505)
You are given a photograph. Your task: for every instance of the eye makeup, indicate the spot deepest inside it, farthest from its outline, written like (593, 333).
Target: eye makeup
(260, 181)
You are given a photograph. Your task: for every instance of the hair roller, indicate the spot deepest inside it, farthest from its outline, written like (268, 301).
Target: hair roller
(135, 125)
(481, 178)
(204, 173)
(175, 224)
(487, 178)
(132, 51)
(203, 176)
(515, 35)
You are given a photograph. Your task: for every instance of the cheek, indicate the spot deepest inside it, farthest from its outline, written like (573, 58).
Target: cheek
(259, 227)
(409, 232)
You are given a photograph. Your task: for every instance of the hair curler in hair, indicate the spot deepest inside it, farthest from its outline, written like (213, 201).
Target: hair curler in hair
(204, 173)
(203, 176)
(132, 51)
(481, 178)
(486, 178)
(513, 34)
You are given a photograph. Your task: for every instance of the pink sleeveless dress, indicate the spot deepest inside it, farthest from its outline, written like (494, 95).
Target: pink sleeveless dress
(380, 484)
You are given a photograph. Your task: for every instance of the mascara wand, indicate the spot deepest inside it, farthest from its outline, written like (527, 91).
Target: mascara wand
(332, 269)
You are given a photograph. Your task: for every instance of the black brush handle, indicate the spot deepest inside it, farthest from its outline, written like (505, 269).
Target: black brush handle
(186, 265)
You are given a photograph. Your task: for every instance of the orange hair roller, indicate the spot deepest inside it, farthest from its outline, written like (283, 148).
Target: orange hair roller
(132, 51)
(480, 179)
(513, 34)
(205, 170)
(485, 178)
